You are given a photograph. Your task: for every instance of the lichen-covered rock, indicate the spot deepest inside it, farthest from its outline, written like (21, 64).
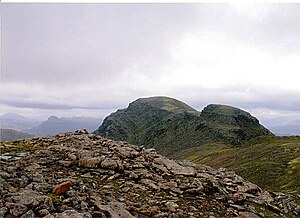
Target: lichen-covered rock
(114, 210)
(72, 214)
(248, 215)
(109, 164)
(16, 209)
(127, 152)
(174, 167)
(27, 197)
(29, 214)
(89, 162)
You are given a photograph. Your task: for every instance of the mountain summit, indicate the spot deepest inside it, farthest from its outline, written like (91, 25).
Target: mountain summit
(163, 103)
(85, 175)
(170, 125)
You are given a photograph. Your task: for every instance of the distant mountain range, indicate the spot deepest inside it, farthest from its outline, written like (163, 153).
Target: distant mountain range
(12, 135)
(54, 125)
(51, 126)
(17, 122)
(280, 121)
(170, 125)
(283, 126)
(287, 130)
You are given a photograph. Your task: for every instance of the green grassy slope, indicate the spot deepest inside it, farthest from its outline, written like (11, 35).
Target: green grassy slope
(271, 162)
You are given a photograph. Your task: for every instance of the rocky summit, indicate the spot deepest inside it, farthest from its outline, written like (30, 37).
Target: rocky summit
(86, 175)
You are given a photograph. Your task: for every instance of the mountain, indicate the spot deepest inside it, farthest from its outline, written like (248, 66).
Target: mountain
(287, 130)
(12, 135)
(14, 116)
(54, 125)
(17, 122)
(86, 175)
(171, 126)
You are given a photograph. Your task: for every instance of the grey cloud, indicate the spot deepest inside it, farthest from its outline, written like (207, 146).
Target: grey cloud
(274, 26)
(55, 106)
(239, 96)
(74, 43)
(198, 97)
(70, 43)
(93, 56)
(39, 105)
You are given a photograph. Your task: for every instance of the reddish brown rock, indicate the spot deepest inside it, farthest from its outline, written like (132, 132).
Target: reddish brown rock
(62, 188)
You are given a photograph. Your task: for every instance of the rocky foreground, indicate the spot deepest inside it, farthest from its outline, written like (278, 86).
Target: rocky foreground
(85, 175)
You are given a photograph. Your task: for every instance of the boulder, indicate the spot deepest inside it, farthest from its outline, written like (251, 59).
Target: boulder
(62, 188)
(109, 164)
(89, 162)
(16, 209)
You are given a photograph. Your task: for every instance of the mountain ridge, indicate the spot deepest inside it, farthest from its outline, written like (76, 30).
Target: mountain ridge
(170, 125)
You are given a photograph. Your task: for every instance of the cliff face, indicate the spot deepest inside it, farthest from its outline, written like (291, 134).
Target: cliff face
(171, 126)
(85, 175)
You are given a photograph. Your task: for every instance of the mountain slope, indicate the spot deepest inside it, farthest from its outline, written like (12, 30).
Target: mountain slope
(270, 161)
(12, 135)
(54, 125)
(171, 126)
(85, 175)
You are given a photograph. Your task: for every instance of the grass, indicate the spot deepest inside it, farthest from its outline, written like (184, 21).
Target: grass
(19, 146)
(271, 162)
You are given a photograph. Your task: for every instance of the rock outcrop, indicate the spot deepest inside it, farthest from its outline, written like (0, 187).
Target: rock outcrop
(85, 175)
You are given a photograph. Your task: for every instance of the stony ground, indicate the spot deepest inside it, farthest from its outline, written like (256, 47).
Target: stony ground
(85, 175)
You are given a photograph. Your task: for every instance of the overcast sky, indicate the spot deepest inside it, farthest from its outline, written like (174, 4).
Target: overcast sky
(91, 59)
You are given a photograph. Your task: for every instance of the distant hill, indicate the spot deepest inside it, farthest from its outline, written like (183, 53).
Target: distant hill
(54, 125)
(287, 130)
(12, 135)
(17, 122)
(170, 125)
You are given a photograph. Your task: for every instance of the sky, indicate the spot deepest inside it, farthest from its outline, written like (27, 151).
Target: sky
(91, 59)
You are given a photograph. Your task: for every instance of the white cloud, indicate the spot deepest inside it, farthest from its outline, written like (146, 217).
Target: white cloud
(87, 58)
(216, 60)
